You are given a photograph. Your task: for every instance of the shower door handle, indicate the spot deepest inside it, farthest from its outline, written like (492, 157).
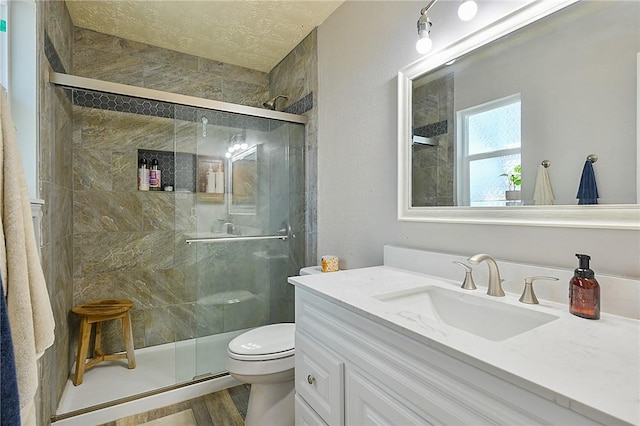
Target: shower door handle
(227, 239)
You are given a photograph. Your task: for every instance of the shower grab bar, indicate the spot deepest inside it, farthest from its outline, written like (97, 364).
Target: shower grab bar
(222, 239)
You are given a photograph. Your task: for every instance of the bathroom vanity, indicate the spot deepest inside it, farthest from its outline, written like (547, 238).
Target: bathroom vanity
(385, 345)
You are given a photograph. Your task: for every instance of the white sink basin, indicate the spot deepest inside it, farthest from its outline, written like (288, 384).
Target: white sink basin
(477, 315)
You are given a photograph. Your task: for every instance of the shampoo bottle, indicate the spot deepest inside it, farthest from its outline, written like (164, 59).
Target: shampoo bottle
(154, 176)
(143, 175)
(584, 291)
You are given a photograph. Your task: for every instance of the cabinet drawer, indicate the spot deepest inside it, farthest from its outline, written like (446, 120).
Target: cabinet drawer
(305, 416)
(320, 379)
(368, 404)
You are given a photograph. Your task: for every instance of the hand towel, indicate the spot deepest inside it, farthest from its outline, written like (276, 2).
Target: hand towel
(542, 193)
(28, 305)
(588, 190)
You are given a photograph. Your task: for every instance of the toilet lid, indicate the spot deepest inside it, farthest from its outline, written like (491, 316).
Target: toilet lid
(267, 342)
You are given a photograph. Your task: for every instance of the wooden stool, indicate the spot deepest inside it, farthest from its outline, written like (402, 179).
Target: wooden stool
(95, 313)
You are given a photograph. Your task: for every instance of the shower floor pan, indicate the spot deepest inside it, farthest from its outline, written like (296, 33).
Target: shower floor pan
(156, 368)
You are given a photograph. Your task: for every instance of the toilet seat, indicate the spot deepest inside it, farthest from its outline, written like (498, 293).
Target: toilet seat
(264, 343)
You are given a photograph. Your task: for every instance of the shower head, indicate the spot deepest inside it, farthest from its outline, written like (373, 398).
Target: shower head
(271, 103)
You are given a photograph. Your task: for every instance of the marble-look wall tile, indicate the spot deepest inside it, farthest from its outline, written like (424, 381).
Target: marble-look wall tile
(119, 131)
(169, 324)
(109, 251)
(158, 210)
(224, 70)
(87, 39)
(296, 76)
(92, 170)
(243, 93)
(106, 212)
(107, 66)
(175, 79)
(54, 39)
(124, 171)
(118, 60)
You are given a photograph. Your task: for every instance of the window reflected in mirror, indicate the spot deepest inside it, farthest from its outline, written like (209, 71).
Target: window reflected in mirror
(553, 92)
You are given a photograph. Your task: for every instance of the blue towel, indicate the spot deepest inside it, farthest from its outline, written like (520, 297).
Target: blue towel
(9, 398)
(588, 190)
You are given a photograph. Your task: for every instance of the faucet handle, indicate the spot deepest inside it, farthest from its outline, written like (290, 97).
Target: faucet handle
(528, 295)
(468, 283)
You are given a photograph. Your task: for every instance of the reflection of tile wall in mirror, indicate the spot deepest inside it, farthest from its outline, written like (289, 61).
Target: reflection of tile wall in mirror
(576, 83)
(244, 182)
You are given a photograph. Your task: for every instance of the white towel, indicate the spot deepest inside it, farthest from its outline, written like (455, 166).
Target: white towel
(28, 305)
(543, 194)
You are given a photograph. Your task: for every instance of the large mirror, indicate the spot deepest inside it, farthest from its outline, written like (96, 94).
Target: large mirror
(243, 183)
(478, 120)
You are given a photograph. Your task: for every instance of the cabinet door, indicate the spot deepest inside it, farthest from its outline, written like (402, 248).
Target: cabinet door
(320, 380)
(368, 404)
(305, 416)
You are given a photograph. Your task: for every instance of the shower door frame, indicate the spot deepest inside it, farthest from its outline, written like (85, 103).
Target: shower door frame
(77, 82)
(89, 84)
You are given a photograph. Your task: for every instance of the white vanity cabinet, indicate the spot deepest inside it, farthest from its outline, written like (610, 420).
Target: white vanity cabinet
(353, 370)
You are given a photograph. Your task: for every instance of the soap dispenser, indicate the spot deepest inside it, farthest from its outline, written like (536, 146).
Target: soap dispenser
(584, 291)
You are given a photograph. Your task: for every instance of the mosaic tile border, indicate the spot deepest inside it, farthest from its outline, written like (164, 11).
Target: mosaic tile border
(301, 106)
(52, 55)
(122, 103)
(431, 130)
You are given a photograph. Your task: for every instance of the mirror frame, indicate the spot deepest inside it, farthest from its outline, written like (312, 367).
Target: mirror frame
(607, 216)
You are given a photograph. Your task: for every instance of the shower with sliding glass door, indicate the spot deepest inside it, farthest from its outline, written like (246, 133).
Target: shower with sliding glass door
(242, 246)
(204, 256)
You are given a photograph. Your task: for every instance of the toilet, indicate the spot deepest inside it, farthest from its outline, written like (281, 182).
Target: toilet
(264, 358)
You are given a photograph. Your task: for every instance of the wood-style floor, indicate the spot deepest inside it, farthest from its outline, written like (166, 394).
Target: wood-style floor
(224, 408)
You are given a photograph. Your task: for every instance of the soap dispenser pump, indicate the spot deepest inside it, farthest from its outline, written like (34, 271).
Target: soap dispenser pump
(584, 291)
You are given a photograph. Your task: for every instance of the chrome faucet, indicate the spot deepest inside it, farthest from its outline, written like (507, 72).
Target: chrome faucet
(495, 283)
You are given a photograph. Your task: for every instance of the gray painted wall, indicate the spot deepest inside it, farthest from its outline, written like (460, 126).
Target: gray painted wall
(357, 160)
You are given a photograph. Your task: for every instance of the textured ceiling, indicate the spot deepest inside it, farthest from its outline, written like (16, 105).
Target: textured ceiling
(251, 34)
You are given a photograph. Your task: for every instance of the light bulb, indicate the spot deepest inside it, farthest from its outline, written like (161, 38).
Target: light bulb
(236, 146)
(231, 149)
(423, 45)
(467, 10)
(228, 155)
(244, 146)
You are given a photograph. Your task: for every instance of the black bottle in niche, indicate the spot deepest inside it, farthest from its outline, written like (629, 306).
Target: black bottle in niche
(584, 291)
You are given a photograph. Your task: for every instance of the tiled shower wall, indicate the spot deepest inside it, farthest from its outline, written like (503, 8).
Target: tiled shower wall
(109, 58)
(296, 76)
(86, 53)
(433, 171)
(55, 186)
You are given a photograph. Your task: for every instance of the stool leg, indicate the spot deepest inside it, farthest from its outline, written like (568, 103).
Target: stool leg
(97, 348)
(83, 346)
(127, 333)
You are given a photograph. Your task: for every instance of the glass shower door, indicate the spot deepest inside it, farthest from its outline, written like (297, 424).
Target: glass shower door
(238, 232)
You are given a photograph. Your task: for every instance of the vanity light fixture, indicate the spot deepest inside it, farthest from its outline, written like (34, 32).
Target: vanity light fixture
(467, 10)
(424, 27)
(237, 142)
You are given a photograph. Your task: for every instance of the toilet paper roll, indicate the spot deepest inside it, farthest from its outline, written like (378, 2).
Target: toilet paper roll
(329, 263)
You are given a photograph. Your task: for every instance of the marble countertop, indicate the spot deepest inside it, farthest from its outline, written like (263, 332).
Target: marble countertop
(589, 366)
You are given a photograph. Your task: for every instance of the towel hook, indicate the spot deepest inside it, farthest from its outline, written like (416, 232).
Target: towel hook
(592, 157)
(546, 163)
